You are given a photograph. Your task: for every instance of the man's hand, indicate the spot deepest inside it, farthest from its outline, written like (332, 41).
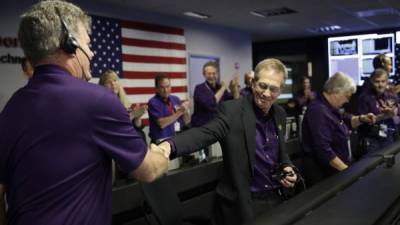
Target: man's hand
(234, 87)
(163, 148)
(290, 179)
(222, 85)
(137, 110)
(388, 108)
(368, 118)
(184, 106)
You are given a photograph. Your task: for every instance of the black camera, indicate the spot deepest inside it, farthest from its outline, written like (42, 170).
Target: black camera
(282, 174)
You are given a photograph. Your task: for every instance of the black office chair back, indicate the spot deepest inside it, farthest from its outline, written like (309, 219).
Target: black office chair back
(163, 201)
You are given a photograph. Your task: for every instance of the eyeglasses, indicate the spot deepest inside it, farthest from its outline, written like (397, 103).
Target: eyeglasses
(264, 86)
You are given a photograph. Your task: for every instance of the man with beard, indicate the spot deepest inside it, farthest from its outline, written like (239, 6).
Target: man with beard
(251, 132)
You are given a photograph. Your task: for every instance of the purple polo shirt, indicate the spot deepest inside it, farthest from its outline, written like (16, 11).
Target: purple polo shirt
(246, 91)
(57, 137)
(326, 133)
(369, 102)
(267, 153)
(205, 104)
(158, 108)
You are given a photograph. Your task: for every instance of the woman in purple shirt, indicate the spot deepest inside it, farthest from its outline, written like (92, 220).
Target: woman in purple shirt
(326, 130)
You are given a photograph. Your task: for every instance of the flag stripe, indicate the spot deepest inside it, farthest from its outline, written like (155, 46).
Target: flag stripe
(151, 90)
(152, 59)
(133, 50)
(141, 97)
(144, 82)
(151, 27)
(152, 44)
(150, 82)
(153, 67)
(145, 122)
(154, 36)
(152, 75)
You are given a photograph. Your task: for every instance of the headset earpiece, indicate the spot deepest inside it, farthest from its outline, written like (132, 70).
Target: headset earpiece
(68, 43)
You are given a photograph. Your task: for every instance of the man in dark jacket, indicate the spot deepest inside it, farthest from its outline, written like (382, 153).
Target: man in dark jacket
(251, 133)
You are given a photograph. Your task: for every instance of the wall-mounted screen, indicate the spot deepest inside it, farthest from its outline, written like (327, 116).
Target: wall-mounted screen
(344, 47)
(376, 46)
(353, 55)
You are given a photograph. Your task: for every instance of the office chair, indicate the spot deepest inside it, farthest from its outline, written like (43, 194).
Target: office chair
(165, 205)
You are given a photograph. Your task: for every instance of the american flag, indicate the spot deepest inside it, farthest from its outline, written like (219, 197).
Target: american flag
(138, 52)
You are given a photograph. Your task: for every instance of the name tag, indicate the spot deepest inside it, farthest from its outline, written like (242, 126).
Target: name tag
(177, 126)
(383, 130)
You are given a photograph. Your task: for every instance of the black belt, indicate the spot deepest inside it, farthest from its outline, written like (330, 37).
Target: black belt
(268, 194)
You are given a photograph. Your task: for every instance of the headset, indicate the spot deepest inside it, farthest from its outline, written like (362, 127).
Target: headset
(69, 43)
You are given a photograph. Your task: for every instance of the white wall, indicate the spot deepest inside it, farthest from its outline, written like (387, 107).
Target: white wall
(201, 39)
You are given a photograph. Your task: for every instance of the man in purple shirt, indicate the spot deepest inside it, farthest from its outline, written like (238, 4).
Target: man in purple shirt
(384, 105)
(208, 95)
(326, 130)
(167, 114)
(59, 132)
(251, 133)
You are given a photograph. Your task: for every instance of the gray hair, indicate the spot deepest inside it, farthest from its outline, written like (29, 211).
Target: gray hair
(340, 83)
(271, 64)
(40, 30)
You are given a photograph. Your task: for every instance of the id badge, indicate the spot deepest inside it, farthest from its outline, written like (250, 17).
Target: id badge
(177, 126)
(383, 130)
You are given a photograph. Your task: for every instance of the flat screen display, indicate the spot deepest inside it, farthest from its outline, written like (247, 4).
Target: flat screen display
(353, 54)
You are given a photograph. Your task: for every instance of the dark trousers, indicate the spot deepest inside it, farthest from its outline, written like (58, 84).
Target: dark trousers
(228, 212)
(262, 202)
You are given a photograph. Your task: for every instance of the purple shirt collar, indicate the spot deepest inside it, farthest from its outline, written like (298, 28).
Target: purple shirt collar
(50, 69)
(214, 89)
(163, 100)
(324, 101)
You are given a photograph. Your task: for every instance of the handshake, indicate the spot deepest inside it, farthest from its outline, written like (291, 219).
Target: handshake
(163, 148)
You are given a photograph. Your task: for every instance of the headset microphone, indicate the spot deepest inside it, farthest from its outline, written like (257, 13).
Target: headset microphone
(84, 52)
